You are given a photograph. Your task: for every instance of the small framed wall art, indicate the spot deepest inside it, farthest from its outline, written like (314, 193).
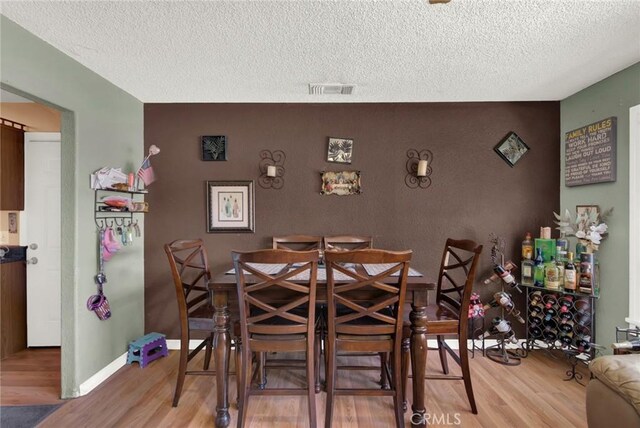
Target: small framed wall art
(340, 150)
(511, 148)
(230, 206)
(214, 148)
(340, 183)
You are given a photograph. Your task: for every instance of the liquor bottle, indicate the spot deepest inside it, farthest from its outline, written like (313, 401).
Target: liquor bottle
(551, 276)
(563, 242)
(528, 267)
(561, 258)
(538, 271)
(527, 247)
(585, 280)
(631, 345)
(570, 273)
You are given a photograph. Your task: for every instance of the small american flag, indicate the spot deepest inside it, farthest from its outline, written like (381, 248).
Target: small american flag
(146, 173)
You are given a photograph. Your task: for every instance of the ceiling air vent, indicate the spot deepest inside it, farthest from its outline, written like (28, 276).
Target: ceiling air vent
(331, 89)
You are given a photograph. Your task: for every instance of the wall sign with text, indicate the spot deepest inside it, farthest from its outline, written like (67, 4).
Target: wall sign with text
(590, 153)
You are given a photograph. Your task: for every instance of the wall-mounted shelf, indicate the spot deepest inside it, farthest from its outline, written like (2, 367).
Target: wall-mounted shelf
(105, 215)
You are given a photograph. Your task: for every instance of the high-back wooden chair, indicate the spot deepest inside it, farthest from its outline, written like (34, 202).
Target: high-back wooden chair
(276, 315)
(190, 271)
(365, 315)
(347, 242)
(449, 315)
(297, 242)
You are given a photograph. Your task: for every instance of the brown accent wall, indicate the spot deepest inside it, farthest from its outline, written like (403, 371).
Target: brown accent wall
(474, 192)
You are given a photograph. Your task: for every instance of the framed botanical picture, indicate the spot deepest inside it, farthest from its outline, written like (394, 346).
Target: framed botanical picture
(511, 148)
(230, 206)
(214, 148)
(340, 150)
(340, 183)
(586, 215)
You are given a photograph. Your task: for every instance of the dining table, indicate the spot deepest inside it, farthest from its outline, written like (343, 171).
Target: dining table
(223, 292)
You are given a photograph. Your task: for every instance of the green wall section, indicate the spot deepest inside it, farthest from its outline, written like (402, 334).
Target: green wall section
(102, 126)
(612, 96)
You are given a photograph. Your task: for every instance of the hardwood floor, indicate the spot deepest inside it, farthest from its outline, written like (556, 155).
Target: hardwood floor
(530, 395)
(31, 376)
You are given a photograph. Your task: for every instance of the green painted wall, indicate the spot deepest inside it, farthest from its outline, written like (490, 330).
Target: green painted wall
(102, 126)
(612, 96)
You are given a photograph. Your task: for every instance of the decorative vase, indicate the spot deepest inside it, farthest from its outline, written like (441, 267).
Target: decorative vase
(580, 248)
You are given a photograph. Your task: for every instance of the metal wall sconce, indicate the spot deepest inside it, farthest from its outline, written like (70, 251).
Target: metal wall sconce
(271, 169)
(418, 168)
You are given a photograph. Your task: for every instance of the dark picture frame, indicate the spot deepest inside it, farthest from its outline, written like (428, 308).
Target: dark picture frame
(230, 206)
(339, 150)
(511, 148)
(213, 148)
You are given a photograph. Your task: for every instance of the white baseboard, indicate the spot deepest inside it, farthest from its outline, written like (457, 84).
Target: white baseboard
(174, 344)
(453, 343)
(102, 375)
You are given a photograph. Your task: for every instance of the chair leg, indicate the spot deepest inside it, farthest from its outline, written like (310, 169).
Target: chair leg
(406, 354)
(182, 367)
(207, 352)
(330, 356)
(312, 365)
(384, 364)
(262, 370)
(398, 396)
(316, 359)
(239, 373)
(466, 372)
(443, 355)
(246, 383)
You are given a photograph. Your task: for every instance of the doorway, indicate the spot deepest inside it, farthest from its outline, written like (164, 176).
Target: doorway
(33, 376)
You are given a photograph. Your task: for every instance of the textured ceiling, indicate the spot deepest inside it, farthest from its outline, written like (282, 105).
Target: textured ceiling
(263, 51)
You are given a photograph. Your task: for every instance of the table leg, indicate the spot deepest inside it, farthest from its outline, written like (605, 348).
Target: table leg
(418, 317)
(222, 352)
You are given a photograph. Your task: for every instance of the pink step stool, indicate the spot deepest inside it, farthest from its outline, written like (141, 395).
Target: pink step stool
(148, 348)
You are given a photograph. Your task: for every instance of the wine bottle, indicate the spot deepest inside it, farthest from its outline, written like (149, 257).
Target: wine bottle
(570, 273)
(506, 276)
(538, 271)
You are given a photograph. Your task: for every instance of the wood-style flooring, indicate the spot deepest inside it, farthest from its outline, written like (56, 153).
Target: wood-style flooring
(530, 395)
(30, 377)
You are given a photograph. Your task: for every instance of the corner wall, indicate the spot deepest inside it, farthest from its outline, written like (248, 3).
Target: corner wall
(612, 96)
(101, 126)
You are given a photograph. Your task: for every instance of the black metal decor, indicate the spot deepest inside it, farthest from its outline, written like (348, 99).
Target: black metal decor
(412, 180)
(275, 159)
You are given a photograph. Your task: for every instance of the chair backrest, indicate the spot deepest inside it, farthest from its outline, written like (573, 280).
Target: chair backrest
(360, 304)
(297, 242)
(272, 303)
(456, 277)
(190, 270)
(347, 242)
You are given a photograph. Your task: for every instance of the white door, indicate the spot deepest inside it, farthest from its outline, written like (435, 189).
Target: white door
(40, 230)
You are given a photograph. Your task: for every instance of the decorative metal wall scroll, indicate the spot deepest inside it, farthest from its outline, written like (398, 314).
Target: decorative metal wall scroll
(275, 160)
(412, 179)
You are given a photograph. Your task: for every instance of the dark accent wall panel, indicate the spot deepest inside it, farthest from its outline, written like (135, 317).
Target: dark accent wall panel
(474, 192)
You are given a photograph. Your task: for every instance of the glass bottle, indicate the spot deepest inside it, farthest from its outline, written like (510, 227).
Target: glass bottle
(561, 256)
(527, 247)
(538, 271)
(528, 267)
(570, 274)
(551, 275)
(563, 242)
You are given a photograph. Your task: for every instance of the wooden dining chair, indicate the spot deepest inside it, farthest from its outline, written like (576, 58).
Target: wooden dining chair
(347, 242)
(276, 315)
(449, 315)
(190, 271)
(297, 242)
(365, 314)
